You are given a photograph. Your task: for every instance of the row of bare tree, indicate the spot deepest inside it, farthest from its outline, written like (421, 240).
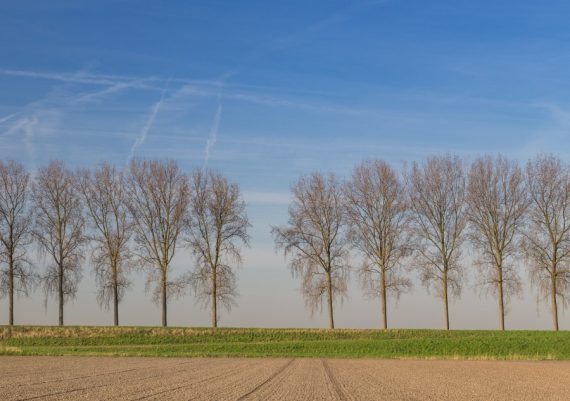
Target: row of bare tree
(131, 218)
(420, 220)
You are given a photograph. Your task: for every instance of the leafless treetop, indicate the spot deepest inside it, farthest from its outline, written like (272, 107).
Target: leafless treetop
(377, 211)
(157, 200)
(59, 225)
(547, 239)
(497, 201)
(15, 228)
(106, 200)
(437, 200)
(316, 238)
(218, 225)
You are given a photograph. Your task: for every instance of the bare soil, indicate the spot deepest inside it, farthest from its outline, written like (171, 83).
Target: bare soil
(102, 378)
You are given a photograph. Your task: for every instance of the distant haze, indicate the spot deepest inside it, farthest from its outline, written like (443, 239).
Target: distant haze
(264, 92)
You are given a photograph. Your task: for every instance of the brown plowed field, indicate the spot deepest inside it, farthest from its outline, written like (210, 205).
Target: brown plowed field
(101, 378)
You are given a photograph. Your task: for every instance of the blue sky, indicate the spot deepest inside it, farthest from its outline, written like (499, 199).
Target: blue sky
(264, 91)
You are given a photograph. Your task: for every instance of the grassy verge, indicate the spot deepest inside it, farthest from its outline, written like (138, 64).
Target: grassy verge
(151, 341)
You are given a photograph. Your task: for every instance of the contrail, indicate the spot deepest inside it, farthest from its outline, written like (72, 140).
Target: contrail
(141, 138)
(107, 91)
(8, 117)
(213, 132)
(63, 77)
(28, 126)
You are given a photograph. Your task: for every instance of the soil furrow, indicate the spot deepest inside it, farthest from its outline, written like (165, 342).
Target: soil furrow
(268, 380)
(333, 381)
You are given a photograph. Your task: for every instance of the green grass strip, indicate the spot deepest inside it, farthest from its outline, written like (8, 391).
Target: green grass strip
(339, 343)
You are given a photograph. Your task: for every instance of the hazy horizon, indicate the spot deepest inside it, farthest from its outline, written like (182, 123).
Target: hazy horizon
(265, 92)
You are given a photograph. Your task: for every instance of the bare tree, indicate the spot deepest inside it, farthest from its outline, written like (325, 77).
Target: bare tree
(218, 224)
(547, 238)
(497, 202)
(377, 214)
(59, 225)
(437, 201)
(158, 198)
(317, 240)
(105, 196)
(15, 233)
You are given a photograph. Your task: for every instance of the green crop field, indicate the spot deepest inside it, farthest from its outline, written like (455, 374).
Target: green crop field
(342, 343)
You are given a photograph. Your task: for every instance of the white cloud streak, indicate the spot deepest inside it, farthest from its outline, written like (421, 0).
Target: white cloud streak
(7, 118)
(213, 135)
(65, 77)
(148, 125)
(117, 87)
(29, 128)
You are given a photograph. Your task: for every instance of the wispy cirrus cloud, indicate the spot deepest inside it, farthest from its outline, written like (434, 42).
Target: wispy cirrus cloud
(106, 79)
(338, 16)
(186, 87)
(42, 117)
(552, 135)
(28, 127)
(268, 100)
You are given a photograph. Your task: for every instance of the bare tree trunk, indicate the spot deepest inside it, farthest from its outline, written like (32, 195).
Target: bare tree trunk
(163, 294)
(383, 300)
(501, 299)
(330, 300)
(554, 304)
(214, 299)
(116, 301)
(60, 290)
(11, 292)
(445, 301)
